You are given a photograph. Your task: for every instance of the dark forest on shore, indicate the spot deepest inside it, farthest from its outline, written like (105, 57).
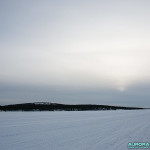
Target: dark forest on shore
(44, 106)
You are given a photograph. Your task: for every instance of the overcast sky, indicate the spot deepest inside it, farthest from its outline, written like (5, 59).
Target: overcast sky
(75, 51)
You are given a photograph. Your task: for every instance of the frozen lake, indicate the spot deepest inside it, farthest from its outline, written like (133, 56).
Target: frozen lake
(74, 130)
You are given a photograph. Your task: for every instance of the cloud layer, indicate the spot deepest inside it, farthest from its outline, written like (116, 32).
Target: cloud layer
(76, 44)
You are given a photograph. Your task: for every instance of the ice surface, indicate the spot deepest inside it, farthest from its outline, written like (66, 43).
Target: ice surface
(73, 130)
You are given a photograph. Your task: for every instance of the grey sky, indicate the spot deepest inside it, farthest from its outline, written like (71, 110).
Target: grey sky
(79, 51)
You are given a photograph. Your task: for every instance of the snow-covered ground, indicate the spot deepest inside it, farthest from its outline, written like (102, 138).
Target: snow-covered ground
(85, 130)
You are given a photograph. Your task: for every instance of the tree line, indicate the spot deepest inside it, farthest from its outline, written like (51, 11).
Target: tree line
(60, 107)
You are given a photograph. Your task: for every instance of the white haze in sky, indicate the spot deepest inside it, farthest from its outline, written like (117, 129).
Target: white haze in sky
(75, 43)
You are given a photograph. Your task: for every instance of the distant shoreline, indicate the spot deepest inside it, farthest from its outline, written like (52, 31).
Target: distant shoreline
(47, 106)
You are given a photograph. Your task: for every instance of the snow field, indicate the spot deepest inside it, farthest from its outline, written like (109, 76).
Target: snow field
(73, 130)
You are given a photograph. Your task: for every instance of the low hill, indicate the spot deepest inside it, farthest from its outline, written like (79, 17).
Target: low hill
(47, 106)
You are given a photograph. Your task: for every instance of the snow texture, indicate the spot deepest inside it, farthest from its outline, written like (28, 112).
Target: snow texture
(74, 130)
